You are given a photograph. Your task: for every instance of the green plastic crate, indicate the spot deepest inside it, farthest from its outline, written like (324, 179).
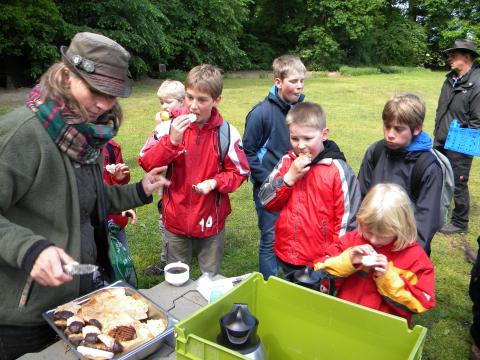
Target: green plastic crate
(299, 323)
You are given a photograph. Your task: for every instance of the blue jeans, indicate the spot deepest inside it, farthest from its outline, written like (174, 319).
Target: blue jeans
(266, 223)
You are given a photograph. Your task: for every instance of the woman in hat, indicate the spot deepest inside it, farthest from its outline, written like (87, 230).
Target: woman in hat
(459, 99)
(52, 197)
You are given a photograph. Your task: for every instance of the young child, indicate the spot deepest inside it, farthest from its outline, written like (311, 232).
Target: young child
(116, 172)
(381, 264)
(195, 208)
(171, 94)
(314, 189)
(393, 160)
(266, 140)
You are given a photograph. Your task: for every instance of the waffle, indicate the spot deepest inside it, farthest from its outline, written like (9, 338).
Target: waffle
(123, 333)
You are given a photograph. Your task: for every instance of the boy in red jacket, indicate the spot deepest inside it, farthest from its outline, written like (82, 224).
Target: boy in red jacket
(383, 266)
(314, 189)
(195, 208)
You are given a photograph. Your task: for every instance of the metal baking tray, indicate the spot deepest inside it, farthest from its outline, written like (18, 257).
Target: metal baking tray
(154, 312)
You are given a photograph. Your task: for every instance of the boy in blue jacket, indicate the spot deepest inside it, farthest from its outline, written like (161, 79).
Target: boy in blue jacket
(393, 160)
(266, 139)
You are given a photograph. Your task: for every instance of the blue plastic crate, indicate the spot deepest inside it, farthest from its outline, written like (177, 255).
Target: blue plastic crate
(462, 140)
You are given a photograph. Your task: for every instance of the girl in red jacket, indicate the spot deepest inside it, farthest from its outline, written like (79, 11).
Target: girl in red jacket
(116, 172)
(382, 265)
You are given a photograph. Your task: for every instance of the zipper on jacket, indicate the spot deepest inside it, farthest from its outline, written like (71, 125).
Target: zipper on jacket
(295, 217)
(324, 224)
(27, 289)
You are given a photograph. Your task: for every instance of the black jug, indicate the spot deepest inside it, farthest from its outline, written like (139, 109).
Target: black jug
(238, 331)
(311, 279)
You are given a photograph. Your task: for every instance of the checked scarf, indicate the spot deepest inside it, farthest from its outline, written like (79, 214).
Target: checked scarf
(81, 141)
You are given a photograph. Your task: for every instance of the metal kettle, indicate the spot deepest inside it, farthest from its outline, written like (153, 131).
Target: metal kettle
(238, 331)
(311, 279)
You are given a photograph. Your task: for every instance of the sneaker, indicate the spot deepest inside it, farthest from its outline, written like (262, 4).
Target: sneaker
(448, 229)
(154, 270)
(474, 353)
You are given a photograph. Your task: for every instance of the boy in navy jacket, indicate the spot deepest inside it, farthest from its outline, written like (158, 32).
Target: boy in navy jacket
(266, 140)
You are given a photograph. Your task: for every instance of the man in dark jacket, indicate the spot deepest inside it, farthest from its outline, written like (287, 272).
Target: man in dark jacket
(459, 99)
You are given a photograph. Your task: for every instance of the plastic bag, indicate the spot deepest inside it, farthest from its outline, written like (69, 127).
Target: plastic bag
(120, 258)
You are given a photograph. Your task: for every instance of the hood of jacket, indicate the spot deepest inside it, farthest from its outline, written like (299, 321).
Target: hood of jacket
(423, 142)
(330, 151)
(276, 99)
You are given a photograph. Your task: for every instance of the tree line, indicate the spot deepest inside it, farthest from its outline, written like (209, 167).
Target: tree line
(237, 34)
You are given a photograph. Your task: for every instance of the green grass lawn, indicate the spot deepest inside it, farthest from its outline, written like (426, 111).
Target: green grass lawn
(354, 106)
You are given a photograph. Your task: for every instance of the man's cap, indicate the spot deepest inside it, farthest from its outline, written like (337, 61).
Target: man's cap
(101, 62)
(464, 45)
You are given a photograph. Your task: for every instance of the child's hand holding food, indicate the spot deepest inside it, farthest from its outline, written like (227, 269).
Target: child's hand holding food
(298, 169)
(205, 186)
(381, 265)
(359, 252)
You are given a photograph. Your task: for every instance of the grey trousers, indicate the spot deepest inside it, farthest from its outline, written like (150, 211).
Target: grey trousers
(209, 250)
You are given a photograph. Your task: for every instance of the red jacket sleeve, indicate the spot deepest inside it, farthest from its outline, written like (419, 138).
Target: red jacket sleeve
(160, 154)
(274, 194)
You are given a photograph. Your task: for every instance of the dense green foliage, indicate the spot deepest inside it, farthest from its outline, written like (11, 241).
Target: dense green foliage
(28, 35)
(237, 34)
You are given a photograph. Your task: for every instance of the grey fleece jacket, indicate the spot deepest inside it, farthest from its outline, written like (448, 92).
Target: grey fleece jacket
(39, 204)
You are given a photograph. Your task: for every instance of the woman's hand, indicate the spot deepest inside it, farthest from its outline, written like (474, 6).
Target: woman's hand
(154, 181)
(47, 269)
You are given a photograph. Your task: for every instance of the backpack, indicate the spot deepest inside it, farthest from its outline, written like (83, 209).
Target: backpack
(422, 163)
(223, 140)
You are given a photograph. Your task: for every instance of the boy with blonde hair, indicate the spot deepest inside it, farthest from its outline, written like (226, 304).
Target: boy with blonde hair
(394, 159)
(380, 264)
(266, 140)
(196, 207)
(314, 189)
(171, 94)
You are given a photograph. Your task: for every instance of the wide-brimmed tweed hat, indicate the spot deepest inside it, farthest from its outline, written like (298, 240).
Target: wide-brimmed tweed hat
(101, 62)
(464, 45)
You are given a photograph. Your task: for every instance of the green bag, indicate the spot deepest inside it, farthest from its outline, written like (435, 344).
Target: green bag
(119, 256)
